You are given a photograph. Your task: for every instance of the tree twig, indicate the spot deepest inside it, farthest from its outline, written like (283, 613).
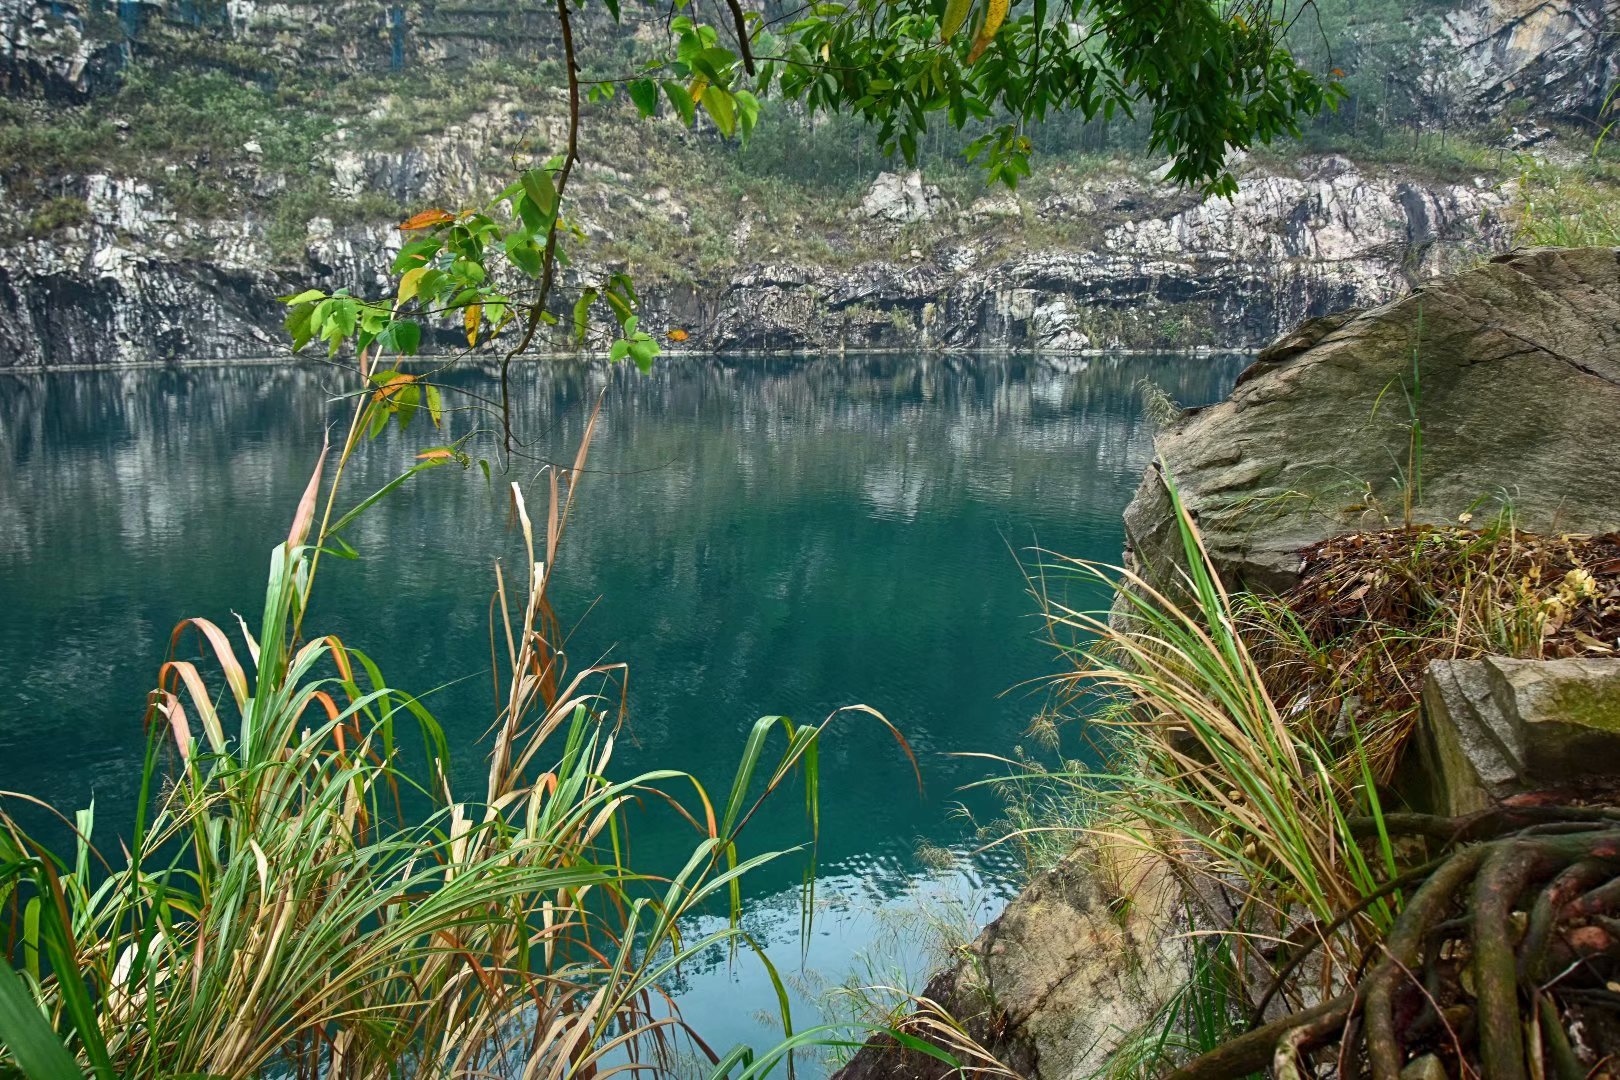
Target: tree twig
(549, 273)
(740, 23)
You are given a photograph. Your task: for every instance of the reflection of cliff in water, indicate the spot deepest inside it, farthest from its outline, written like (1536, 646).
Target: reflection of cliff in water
(89, 437)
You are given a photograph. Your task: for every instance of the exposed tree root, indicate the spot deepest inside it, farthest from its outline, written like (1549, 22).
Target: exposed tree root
(1510, 930)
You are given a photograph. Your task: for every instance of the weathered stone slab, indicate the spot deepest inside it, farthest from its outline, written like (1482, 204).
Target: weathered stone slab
(1497, 727)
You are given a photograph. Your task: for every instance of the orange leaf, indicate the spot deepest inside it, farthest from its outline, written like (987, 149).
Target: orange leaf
(427, 219)
(439, 454)
(396, 383)
(678, 334)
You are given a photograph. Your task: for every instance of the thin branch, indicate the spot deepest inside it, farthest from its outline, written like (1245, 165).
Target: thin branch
(741, 26)
(548, 275)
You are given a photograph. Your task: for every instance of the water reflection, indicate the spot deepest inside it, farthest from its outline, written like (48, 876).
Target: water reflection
(757, 536)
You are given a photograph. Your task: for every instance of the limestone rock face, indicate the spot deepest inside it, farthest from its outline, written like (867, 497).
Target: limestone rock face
(1158, 267)
(1064, 975)
(1162, 268)
(45, 50)
(1122, 259)
(1498, 727)
(901, 200)
(1558, 57)
(1510, 371)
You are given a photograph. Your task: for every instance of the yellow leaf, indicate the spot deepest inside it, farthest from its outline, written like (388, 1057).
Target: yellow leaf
(956, 13)
(474, 315)
(408, 283)
(995, 13)
(427, 219)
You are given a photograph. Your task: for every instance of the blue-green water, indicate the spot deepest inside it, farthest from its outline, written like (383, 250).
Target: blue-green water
(756, 536)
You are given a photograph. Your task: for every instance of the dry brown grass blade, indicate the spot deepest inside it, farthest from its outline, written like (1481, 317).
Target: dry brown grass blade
(304, 517)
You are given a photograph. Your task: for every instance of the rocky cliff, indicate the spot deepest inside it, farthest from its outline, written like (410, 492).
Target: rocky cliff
(135, 281)
(138, 257)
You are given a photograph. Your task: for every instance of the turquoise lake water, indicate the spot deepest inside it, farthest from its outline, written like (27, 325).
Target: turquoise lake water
(755, 536)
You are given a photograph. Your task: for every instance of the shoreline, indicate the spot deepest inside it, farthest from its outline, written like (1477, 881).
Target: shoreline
(194, 363)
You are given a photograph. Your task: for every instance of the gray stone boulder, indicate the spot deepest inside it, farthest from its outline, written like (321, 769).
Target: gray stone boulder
(1088, 953)
(896, 199)
(1511, 369)
(1497, 727)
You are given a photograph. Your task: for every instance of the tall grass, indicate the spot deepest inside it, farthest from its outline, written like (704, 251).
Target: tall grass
(298, 898)
(1205, 771)
(1569, 205)
(1573, 206)
(1217, 762)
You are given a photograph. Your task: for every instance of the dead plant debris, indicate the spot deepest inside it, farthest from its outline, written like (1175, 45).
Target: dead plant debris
(1351, 642)
(1568, 586)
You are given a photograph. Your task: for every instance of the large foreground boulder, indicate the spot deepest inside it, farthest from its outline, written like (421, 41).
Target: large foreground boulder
(1089, 952)
(1496, 390)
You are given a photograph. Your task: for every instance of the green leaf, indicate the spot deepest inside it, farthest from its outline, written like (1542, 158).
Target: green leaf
(29, 1036)
(429, 285)
(403, 336)
(582, 314)
(416, 253)
(410, 284)
(681, 100)
(534, 221)
(406, 401)
(343, 316)
(342, 548)
(747, 111)
(713, 63)
(299, 325)
(435, 404)
(303, 298)
(722, 108)
(644, 350)
(537, 186)
(621, 307)
(644, 92)
(620, 349)
(371, 500)
(525, 253)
